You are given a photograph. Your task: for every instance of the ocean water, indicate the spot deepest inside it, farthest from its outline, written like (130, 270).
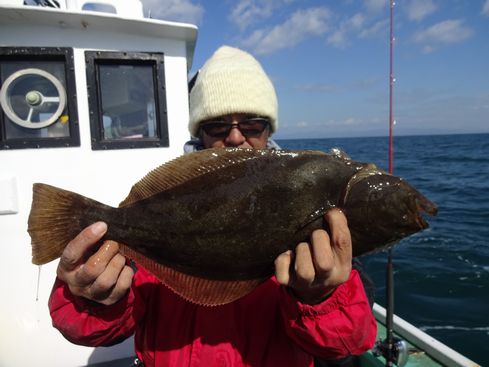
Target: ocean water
(441, 275)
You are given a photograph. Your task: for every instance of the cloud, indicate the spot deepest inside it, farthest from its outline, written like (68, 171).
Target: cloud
(485, 8)
(379, 27)
(446, 32)
(375, 6)
(419, 9)
(355, 86)
(339, 37)
(176, 10)
(442, 111)
(427, 49)
(350, 121)
(317, 87)
(340, 126)
(301, 25)
(359, 25)
(247, 12)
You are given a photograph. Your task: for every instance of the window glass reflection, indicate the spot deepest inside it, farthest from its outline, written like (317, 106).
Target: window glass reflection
(128, 102)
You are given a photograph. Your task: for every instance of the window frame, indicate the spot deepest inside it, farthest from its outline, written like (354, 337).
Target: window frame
(156, 59)
(40, 54)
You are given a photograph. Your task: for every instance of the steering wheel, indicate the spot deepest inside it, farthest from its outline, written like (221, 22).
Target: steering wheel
(32, 100)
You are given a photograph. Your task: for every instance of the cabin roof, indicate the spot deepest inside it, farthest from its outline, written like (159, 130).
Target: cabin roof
(13, 17)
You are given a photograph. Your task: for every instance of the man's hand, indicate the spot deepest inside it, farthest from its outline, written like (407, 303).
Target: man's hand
(315, 269)
(99, 275)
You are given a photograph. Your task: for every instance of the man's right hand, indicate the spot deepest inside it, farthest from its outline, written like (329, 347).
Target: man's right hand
(100, 275)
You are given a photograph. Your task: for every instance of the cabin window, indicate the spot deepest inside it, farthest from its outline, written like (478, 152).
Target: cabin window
(37, 98)
(127, 100)
(104, 8)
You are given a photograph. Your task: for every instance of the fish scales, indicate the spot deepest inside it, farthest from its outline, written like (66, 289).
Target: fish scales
(244, 215)
(226, 214)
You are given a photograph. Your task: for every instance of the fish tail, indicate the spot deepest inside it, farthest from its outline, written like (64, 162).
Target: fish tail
(56, 218)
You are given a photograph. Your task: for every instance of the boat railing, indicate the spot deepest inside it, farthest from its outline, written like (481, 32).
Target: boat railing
(431, 346)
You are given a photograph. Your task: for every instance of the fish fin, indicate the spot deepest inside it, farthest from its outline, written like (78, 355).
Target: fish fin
(53, 221)
(187, 167)
(194, 289)
(204, 292)
(340, 153)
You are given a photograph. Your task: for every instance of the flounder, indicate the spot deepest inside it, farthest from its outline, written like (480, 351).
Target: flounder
(210, 224)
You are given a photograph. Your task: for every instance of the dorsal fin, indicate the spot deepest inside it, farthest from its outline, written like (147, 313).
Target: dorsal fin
(340, 153)
(186, 167)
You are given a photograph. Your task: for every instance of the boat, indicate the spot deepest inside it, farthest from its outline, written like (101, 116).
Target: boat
(413, 347)
(83, 77)
(93, 95)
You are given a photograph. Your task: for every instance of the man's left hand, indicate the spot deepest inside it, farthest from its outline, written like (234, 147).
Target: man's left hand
(315, 269)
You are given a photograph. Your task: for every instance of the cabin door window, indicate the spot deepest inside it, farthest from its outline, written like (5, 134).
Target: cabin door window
(127, 100)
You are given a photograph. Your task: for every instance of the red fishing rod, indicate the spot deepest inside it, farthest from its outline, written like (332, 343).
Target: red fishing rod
(390, 266)
(391, 84)
(392, 349)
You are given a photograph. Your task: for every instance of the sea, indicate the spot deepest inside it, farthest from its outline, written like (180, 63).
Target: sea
(441, 275)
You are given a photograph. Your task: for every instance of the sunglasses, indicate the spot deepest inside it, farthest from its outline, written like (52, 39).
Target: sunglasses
(250, 128)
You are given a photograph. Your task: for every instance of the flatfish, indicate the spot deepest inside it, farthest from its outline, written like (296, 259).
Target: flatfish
(210, 224)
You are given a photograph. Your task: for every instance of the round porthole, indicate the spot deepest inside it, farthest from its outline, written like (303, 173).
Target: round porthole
(33, 98)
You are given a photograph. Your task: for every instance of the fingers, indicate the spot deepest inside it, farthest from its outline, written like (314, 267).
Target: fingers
(304, 266)
(104, 281)
(304, 278)
(77, 249)
(104, 284)
(323, 256)
(340, 235)
(99, 275)
(282, 266)
(99, 262)
(315, 269)
(123, 283)
(113, 284)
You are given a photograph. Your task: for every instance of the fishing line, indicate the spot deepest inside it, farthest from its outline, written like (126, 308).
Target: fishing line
(38, 282)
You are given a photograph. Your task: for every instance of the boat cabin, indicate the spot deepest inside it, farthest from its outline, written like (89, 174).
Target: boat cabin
(92, 97)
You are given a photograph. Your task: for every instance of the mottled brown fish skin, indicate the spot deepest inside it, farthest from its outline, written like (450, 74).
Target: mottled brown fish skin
(382, 209)
(233, 223)
(232, 218)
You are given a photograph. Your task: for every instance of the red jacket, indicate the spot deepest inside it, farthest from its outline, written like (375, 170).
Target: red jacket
(268, 327)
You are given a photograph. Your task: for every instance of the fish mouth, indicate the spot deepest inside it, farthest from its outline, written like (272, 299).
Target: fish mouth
(424, 207)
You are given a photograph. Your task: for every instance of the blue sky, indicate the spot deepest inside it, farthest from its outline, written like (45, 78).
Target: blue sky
(329, 60)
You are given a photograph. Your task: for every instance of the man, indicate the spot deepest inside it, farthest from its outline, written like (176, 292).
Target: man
(314, 306)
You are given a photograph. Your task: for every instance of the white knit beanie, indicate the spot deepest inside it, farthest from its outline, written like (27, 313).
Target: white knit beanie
(231, 81)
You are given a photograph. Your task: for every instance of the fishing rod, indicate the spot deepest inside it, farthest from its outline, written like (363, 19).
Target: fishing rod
(391, 348)
(390, 265)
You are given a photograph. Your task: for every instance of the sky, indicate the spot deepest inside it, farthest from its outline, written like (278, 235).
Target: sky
(329, 60)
